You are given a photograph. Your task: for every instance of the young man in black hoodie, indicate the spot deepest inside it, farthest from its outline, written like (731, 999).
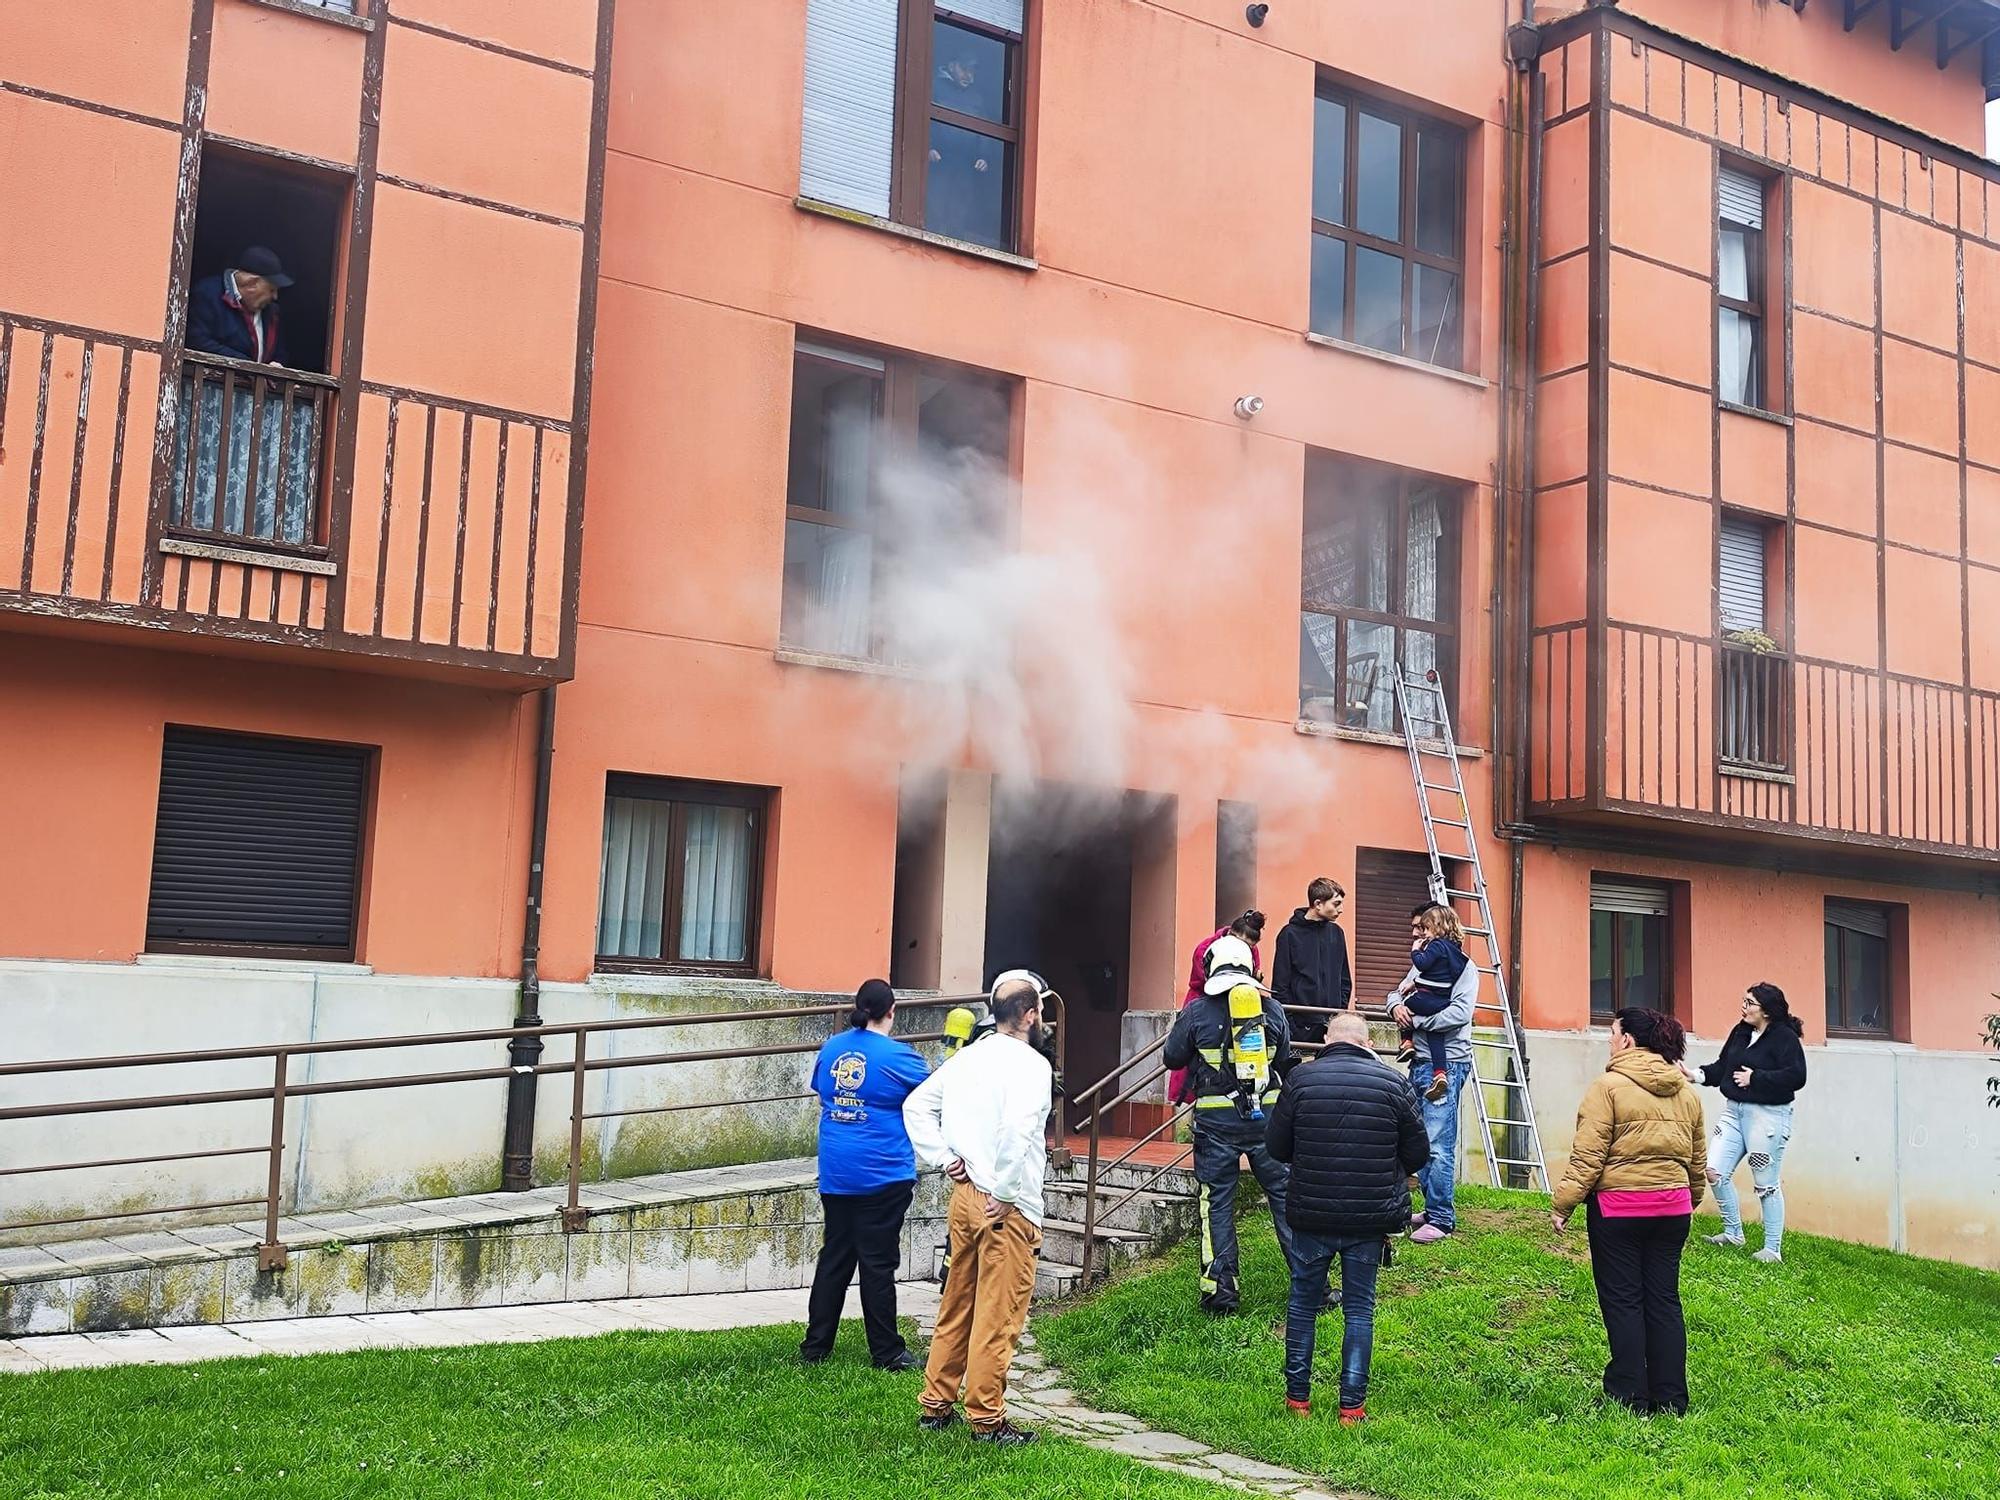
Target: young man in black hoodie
(1311, 965)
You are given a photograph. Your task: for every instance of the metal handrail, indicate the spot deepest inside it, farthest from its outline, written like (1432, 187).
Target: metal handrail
(271, 1253)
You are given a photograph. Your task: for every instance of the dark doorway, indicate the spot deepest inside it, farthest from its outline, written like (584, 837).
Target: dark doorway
(245, 199)
(1059, 901)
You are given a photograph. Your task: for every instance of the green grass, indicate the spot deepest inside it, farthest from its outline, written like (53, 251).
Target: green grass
(668, 1416)
(1846, 1372)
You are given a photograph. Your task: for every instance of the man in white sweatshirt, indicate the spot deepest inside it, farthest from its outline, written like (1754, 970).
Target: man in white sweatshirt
(980, 1117)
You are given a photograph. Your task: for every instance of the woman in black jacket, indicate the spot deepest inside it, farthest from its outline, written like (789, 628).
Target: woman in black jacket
(1763, 1065)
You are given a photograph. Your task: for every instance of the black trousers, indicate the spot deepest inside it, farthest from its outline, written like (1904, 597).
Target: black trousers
(864, 1229)
(1636, 1264)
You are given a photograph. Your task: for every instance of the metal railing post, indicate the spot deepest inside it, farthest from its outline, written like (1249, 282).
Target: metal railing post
(1090, 1196)
(573, 1216)
(272, 1255)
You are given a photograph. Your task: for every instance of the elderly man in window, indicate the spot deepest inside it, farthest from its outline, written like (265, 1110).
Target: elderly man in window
(235, 314)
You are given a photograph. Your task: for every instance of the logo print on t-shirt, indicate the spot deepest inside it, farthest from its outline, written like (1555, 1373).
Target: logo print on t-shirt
(850, 1070)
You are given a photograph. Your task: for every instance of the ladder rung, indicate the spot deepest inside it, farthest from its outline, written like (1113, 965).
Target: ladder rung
(1451, 823)
(1465, 895)
(1513, 1161)
(1476, 932)
(1521, 1124)
(1496, 1046)
(1432, 786)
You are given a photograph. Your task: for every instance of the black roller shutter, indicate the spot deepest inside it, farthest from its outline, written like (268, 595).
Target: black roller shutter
(258, 845)
(1389, 882)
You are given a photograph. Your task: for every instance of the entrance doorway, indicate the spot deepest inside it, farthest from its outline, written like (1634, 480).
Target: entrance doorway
(1059, 900)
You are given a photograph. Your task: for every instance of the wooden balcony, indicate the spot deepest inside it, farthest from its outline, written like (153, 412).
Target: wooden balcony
(1661, 725)
(280, 508)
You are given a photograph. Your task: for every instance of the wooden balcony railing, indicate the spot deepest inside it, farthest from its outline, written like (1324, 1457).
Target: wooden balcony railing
(1669, 724)
(1755, 726)
(250, 444)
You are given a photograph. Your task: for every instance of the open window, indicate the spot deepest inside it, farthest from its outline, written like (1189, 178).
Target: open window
(1755, 672)
(253, 426)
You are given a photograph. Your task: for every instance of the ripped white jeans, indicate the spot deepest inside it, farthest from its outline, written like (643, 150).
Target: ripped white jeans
(1756, 1133)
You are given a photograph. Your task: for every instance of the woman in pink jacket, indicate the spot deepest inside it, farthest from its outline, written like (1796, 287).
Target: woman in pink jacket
(1249, 927)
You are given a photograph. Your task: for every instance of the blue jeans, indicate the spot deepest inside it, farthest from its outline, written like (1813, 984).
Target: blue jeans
(1437, 1180)
(1759, 1133)
(1360, 1260)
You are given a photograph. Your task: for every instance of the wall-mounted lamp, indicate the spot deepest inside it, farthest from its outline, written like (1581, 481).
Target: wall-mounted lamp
(1255, 14)
(1248, 406)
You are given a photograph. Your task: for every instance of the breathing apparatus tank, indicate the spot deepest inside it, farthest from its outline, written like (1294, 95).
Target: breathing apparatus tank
(1249, 1048)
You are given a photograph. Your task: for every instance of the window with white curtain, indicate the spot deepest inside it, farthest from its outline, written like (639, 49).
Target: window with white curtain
(681, 875)
(1739, 289)
(1379, 589)
(897, 467)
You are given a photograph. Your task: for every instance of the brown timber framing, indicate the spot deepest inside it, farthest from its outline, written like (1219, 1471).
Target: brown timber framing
(314, 608)
(1947, 723)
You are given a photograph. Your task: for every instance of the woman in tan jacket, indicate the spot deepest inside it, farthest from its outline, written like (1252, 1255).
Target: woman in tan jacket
(1637, 1160)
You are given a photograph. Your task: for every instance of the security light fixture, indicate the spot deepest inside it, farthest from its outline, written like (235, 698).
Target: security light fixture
(1248, 406)
(1255, 14)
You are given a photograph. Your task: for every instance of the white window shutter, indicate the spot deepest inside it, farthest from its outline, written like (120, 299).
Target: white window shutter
(1741, 580)
(1739, 198)
(1637, 897)
(1005, 14)
(849, 132)
(1858, 916)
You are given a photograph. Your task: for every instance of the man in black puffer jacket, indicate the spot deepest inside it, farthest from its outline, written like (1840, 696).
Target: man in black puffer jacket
(1349, 1126)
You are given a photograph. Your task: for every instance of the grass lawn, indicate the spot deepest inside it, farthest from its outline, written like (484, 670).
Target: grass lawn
(669, 1416)
(1846, 1372)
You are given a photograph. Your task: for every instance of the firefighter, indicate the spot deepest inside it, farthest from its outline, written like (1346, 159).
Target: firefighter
(1233, 1055)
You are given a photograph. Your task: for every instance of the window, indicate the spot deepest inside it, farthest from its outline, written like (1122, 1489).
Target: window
(1388, 885)
(1388, 242)
(253, 425)
(682, 877)
(913, 112)
(1380, 587)
(1857, 968)
(1755, 676)
(896, 469)
(1739, 289)
(257, 847)
(1630, 954)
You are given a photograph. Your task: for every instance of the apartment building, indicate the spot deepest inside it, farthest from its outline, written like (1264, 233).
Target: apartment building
(765, 495)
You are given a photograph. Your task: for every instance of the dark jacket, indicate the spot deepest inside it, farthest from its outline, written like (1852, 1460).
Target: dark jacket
(1776, 1060)
(1348, 1124)
(1311, 969)
(1202, 1030)
(219, 324)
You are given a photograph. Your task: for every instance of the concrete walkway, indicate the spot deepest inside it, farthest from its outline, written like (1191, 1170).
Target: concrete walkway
(1036, 1396)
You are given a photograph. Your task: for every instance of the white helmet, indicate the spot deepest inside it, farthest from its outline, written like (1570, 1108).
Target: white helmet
(1230, 963)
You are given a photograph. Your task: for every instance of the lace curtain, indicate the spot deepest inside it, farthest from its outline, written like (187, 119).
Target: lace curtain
(257, 502)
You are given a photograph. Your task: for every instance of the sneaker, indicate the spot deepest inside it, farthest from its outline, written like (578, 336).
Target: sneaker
(1003, 1434)
(1727, 1241)
(1353, 1416)
(1440, 1086)
(937, 1421)
(1406, 1054)
(900, 1363)
(1298, 1408)
(1219, 1303)
(1768, 1256)
(1430, 1234)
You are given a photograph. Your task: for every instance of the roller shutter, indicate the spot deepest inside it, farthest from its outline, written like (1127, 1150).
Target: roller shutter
(1741, 578)
(1389, 882)
(258, 844)
(1858, 916)
(847, 142)
(1739, 199)
(1639, 898)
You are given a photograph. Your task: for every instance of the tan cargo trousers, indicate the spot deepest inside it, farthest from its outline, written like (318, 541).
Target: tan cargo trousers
(984, 1307)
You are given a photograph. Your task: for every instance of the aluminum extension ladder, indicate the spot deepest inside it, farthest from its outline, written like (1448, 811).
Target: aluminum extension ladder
(1496, 1030)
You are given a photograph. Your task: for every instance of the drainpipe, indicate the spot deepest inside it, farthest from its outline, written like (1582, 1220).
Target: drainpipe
(523, 1052)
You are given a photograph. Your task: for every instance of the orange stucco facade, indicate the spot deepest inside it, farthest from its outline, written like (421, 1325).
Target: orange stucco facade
(574, 272)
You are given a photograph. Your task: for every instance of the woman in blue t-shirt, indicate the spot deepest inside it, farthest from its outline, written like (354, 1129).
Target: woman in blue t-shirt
(867, 1172)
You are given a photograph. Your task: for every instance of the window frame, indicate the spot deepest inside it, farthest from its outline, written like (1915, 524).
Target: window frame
(1405, 249)
(680, 793)
(899, 419)
(1618, 976)
(1836, 976)
(1757, 281)
(916, 110)
(1444, 628)
(368, 758)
